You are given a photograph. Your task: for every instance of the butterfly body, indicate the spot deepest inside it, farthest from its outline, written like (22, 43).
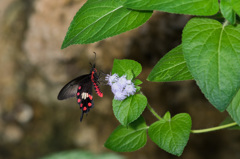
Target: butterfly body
(81, 88)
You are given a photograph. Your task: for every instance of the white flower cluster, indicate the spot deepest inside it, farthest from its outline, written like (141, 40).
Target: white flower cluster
(121, 87)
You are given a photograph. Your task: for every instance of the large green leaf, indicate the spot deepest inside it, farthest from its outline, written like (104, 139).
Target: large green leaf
(128, 138)
(171, 135)
(234, 108)
(227, 10)
(212, 53)
(236, 6)
(121, 67)
(129, 109)
(100, 19)
(193, 7)
(172, 67)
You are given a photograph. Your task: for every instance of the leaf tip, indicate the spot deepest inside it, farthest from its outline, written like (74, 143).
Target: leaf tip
(64, 45)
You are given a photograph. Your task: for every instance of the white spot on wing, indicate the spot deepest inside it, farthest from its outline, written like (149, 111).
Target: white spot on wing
(84, 95)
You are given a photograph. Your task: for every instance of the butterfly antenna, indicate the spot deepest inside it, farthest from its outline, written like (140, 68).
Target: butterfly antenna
(94, 61)
(95, 56)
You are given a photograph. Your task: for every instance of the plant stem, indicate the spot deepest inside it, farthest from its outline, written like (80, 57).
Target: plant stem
(153, 112)
(213, 128)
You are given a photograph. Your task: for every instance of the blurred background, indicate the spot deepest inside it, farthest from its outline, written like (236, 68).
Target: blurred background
(33, 69)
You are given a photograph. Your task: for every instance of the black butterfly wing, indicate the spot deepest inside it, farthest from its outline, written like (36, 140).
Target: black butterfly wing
(70, 89)
(84, 97)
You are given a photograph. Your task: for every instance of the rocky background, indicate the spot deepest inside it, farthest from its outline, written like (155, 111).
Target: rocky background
(33, 68)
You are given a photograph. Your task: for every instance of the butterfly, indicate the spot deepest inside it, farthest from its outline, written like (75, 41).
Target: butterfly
(81, 88)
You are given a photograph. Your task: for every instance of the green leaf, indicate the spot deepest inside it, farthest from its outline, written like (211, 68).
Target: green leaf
(120, 67)
(171, 135)
(234, 108)
(137, 82)
(128, 138)
(129, 74)
(76, 154)
(167, 116)
(236, 6)
(70, 154)
(129, 109)
(172, 67)
(227, 10)
(138, 88)
(100, 19)
(212, 53)
(193, 7)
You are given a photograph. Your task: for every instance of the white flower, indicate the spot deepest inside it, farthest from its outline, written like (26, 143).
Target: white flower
(116, 88)
(111, 79)
(122, 81)
(129, 81)
(130, 89)
(121, 87)
(120, 95)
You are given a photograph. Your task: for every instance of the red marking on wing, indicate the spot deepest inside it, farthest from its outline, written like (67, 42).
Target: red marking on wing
(79, 87)
(81, 105)
(84, 108)
(100, 94)
(97, 89)
(89, 104)
(90, 97)
(79, 100)
(92, 76)
(78, 93)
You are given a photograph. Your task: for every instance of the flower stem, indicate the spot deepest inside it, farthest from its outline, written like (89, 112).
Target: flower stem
(153, 112)
(213, 128)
